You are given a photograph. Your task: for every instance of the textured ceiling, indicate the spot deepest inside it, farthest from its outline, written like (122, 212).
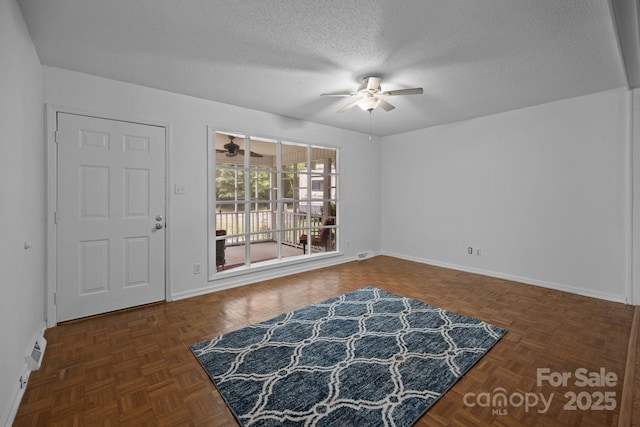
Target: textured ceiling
(473, 58)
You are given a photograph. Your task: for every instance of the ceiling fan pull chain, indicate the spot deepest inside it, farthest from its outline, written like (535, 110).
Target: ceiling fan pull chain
(370, 111)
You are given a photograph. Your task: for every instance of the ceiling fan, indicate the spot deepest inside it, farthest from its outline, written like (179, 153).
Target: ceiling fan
(232, 149)
(370, 92)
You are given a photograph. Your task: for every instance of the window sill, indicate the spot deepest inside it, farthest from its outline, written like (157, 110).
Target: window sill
(273, 265)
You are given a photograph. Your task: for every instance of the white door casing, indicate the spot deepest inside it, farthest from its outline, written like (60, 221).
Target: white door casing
(110, 215)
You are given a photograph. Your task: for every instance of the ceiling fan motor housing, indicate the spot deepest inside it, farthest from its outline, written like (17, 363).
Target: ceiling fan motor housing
(370, 84)
(232, 149)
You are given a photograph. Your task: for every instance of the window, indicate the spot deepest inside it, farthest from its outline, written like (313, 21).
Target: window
(270, 201)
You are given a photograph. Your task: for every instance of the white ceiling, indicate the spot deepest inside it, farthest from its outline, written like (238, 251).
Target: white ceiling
(472, 57)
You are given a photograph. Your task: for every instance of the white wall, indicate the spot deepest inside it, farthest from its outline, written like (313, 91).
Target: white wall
(635, 293)
(188, 119)
(21, 202)
(542, 191)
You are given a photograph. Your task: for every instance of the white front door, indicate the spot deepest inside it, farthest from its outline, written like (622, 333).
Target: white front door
(110, 215)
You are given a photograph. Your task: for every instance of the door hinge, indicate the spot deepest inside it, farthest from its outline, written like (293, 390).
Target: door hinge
(56, 137)
(55, 298)
(55, 217)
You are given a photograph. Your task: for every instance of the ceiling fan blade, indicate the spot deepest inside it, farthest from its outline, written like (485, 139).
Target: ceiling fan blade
(413, 91)
(220, 151)
(242, 152)
(338, 94)
(353, 104)
(385, 105)
(373, 83)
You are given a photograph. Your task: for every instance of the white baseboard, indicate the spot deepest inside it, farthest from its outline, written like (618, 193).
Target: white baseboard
(17, 392)
(514, 278)
(12, 409)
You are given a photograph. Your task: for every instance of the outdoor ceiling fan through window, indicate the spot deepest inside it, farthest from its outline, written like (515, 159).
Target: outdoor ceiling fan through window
(232, 149)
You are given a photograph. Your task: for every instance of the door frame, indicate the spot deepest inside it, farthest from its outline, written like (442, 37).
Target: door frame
(51, 232)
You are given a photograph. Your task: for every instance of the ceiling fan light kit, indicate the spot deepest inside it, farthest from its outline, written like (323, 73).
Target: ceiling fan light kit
(369, 103)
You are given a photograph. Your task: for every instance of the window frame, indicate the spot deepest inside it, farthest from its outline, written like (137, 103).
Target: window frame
(277, 200)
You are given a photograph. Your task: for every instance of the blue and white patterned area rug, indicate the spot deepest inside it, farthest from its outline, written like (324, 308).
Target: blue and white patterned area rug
(366, 358)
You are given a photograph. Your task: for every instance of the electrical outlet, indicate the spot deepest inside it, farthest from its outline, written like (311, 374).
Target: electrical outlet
(196, 268)
(470, 250)
(180, 189)
(24, 379)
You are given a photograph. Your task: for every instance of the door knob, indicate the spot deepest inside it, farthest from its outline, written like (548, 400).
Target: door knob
(159, 218)
(158, 226)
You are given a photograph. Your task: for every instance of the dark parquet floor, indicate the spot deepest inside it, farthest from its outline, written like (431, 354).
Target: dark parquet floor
(134, 367)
